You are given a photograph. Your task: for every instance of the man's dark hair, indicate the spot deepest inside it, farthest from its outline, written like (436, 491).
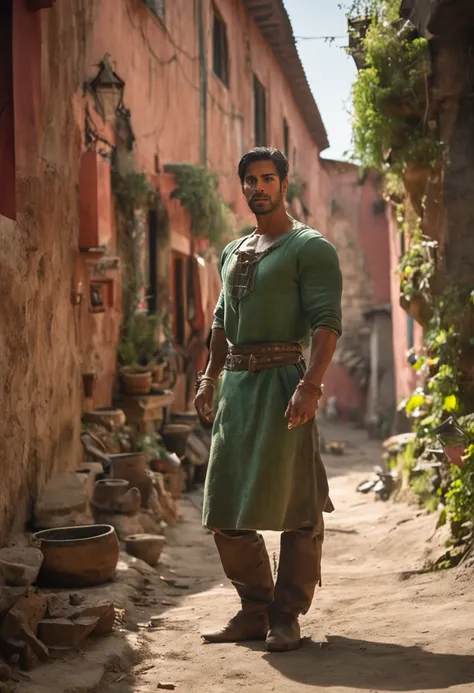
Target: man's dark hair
(264, 154)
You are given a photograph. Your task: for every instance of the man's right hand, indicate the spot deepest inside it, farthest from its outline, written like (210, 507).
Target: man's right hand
(203, 403)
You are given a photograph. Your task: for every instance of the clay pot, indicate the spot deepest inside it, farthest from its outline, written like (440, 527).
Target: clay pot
(175, 437)
(133, 467)
(80, 556)
(146, 547)
(115, 496)
(136, 383)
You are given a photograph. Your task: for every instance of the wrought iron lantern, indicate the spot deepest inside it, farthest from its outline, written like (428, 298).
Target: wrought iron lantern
(107, 89)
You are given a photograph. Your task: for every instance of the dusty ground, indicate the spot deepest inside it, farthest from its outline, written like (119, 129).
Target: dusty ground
(377, 625)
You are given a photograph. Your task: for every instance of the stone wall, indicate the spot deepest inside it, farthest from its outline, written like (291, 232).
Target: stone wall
(40, 388)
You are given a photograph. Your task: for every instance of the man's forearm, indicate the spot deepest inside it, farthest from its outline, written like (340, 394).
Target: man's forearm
(323, 346)
(218, 353)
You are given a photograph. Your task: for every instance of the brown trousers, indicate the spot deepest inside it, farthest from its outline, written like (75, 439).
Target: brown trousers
(246, 563)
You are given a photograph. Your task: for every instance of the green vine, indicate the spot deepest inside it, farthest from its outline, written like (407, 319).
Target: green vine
(134, 195)
(390, 96)
(197, 189)
(296, 191)
(446, 391)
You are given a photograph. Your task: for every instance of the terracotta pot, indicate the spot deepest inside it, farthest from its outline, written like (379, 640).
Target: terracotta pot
(133, 467)
(78, 556)
(175, 437)
(147, 547)
(114, 417)
(115, 496)
(136, 383)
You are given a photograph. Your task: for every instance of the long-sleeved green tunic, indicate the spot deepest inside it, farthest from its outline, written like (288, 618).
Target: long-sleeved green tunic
(262, 475)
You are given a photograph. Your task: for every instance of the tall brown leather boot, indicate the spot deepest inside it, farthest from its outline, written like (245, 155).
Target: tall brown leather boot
(299, 572)
(245, 561)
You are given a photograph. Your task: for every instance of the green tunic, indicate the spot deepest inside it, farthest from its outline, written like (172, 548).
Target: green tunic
(261, 475)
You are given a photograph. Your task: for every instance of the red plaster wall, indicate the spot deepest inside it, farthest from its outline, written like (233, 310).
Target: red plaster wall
(361, 239)
(162, 91)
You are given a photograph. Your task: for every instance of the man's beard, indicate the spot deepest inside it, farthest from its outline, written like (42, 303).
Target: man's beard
(270, 207)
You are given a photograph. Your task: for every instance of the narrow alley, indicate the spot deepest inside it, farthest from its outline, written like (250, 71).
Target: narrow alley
(379, 623)
(220, 219)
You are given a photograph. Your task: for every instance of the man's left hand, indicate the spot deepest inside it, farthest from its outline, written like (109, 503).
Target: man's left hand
(302, 407)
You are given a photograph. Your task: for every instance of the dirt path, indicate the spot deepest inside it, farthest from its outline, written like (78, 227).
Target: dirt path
(377, 625)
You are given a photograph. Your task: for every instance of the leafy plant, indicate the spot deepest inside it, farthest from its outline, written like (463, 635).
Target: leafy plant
(417, 267)
(296, 191)
(133, 194)
(390, 95)
(139, 345)
(198, 191)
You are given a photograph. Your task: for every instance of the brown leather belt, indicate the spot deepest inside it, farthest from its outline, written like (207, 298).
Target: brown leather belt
(258, 357)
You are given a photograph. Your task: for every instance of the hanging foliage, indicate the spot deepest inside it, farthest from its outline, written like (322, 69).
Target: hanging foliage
(197, 189)
(391, 95)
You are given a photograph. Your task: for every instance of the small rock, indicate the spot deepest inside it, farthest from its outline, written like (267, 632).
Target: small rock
(167, 686)
(76, 599)
(19, 566)
(63, 633)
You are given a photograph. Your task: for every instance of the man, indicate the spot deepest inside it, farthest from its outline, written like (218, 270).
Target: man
(280, 285)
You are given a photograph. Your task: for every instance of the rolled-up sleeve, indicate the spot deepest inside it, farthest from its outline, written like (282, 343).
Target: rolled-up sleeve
(320, 280)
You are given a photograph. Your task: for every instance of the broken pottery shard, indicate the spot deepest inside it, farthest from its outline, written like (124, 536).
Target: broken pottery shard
(63, 502)
(60, 606)
(64, 633)
(19, 566)
(15, 628)
(32, 606)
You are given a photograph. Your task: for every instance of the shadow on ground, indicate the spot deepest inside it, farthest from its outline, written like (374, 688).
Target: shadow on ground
(372, 666)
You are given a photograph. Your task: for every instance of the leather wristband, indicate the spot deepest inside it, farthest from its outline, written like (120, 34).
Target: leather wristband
(317, 390)
(203, 379)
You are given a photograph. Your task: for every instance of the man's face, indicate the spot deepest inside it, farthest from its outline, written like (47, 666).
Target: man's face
(262, 187)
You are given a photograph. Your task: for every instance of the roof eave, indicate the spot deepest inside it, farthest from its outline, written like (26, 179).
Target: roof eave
(272, 19)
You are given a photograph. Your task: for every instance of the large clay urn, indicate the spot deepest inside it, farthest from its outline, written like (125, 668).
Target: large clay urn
(133, 467)
(78, 556)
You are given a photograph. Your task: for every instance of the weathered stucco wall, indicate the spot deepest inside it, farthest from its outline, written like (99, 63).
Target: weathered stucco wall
(159, 63)
(40, 388)
(359, 232)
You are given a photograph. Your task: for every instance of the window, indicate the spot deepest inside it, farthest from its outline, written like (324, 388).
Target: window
(156, 6)
(221, 50)
(260, 113)
(286, 138)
